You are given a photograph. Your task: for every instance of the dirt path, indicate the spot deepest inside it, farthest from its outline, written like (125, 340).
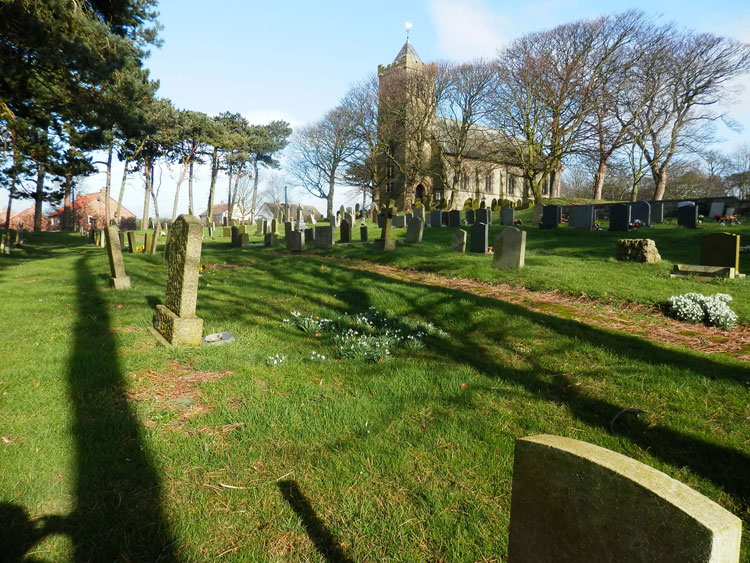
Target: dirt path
(641, 320)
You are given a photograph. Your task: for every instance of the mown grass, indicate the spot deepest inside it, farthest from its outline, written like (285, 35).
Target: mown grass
(408, 460)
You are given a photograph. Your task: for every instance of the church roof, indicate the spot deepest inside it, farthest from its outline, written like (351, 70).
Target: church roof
(407, 51)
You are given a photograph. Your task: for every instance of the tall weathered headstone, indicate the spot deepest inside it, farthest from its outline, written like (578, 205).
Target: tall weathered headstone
(132, 244)
(345, 231)
(385, 243)
(551, 217)
(458, 240)
(118, 279)
(288, 228)
(147, 238)
(235, 243)
(576, 502)
(414, 231)
(687, 216)
(536, 214)
(419, 213)
(509, 249)
(154, 241)
(721, 249)
(176, 320)
(363, 233)
(507, 216)
(581, 217)
(641, 211)
(619, 217)
(479, 238)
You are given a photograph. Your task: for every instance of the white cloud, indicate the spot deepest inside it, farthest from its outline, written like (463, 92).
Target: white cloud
(468, 28)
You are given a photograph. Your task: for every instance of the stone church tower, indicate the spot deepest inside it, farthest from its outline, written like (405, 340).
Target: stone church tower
(406, 128)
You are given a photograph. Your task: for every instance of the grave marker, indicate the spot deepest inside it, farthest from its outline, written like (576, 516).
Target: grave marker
(536, 214)
(484, 215)
(363, 233)
(619, 217)
(324, 236)
(657, 212)
(470, 216)
(414, 231)
(454, 218)
(132, 244)
(479, 238)
(507, 216)
(385, 243)
(436, 218)
(721, 249)
(295, 242)
(509, 249)
(309, 234)
(345, 231)
(118, 279)
(458, 240)
(581, 217)
(641, 211)
(717, 208)
(687, 216)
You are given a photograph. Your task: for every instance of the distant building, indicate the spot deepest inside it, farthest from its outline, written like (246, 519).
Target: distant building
(268, 210)
(23, 219)
(90, 209)
(220, 214)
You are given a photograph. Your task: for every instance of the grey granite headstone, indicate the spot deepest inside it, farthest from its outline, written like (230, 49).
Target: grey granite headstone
(507, 216)
(574, 502)
(235, 237)
(684, 203)
(409, 217)
(551, 217)
(720, 249)
(454, 218)
(458, 240)
(345, 232)
(176, 320)
(479, 238)
(288, 228)
(436, 218)
(295, 242)
(509, 250)
(729, 212)
(717, 208)
(414, 231)
(619, 217)
(271, 239)
(470, 216)
(324, 236)
(581, 217)
(484, 215)
(641, 211)
(657, 212)
(419, 212)
(399, 222)
(687, 216)
(118, 279)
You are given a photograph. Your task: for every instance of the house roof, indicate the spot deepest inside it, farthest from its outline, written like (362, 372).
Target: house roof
(84, 200)
(218, 209)
(407, 51)
(482, 143)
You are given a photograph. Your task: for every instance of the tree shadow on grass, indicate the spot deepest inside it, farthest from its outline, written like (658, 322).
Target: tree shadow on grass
(118, 514)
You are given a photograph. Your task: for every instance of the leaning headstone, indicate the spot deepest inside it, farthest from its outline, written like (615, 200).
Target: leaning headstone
(454, 218)
(720, 249)
(324, 236)
(551, 217)
(536, 214)
(414, 231)
(637, 250)
(345, 231)
(641, 211)
(458, 240)
(576, 502)
(470, 216)
(657, 212)
(716, 209)
(176, 320)
(687, 216)
(436, 218)
(118, 279)
(729, 212)
(154, 241)
(507, 216)
(295, 242)
(509, 249)
(132, 245)
(479, 238)
(363, 233)
(619, 217)
(484, 215)
(581, 217)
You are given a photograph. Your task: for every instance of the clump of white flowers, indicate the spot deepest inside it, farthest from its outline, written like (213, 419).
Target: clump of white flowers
(276, 360)
(711, 309)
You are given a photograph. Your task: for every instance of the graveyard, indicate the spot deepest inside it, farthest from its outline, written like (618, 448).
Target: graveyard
(369, 405)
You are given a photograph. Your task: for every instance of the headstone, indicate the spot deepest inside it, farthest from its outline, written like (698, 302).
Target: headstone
(484, 215)
(242, 229)
(716, 209)
(259, 227)
(507, 216)
(444, 219)
(470, 216)
(721, 249)
(147, 241)
(275, 227)
(414, 231)
(118, 279)
(132, 245)
(235, 237)
(704, 272)
(154, 242)
(345, 231)
(684, 203)
(176, 320)
(374, 213)
(509, 249)
(349, 216)
(121, 236)
(551, 217)
(363, 233)
(581, 217)
(576, 502)
(536, 214)
(408, 217)
(227, 232)
(324, 236)
(657, 212)
(166, 243)
(244, 240)
(641, 211)
(729, 212)
(687, 216)
(295, 242)
(264, 229)
(288, 228)
(271, 239)
(479, 238)
(385, 243)
(399, 222)
(309, 235)
(454, 218)
(436, 218)
(419, 213)
(211, 229)
(619, 217)
(458, 240)
(637, 250)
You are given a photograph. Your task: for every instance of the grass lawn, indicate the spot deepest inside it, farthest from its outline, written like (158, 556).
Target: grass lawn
(116, 450)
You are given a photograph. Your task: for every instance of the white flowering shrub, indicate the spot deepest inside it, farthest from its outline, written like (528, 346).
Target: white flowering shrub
(711, 309)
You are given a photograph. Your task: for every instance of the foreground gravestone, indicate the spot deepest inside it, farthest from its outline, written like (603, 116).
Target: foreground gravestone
(581, 217)
(132, 245)
(721, 249)
(419, 213)
(716, 209)
(576, 502)
(385, 243)
(458, 240)
(454, 218)
(345, 231)
(536, 214)
(479, 238)
(288, 228)
(324, 235)
(687, 216)
(509, 249)
(118, 279)
(637, 250)
(295, 242)
(176, 320)
(551, 217)
(641, 211)
(657, 212)
(619, 217)
(414, 231)
(244, 240)
(507, 216)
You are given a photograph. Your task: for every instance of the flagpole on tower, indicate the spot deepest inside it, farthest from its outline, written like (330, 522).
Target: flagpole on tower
(408, 26)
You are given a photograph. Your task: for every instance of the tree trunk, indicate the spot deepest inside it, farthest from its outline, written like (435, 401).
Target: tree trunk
(230, 203)
(67, 209)
(255, 190)
(7, 211)
(39, 197)
(329, 199)
(108, 186)
(660, 182)
(599, 179)
(153, 197)
(212, 187)
(191, 209)
(118, 210)
(147, 195)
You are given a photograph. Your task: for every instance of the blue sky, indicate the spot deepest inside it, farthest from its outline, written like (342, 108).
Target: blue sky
(294, 60)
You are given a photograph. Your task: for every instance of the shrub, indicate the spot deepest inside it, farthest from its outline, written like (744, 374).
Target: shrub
(711, 309)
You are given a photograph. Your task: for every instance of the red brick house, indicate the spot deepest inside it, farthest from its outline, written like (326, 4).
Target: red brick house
(24, 219)
(90, 208)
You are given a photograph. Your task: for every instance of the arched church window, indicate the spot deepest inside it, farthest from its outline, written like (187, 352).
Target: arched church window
(488, 182)
(464, 180)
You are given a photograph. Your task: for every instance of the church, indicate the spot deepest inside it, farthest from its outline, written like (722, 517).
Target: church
(420, 158)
